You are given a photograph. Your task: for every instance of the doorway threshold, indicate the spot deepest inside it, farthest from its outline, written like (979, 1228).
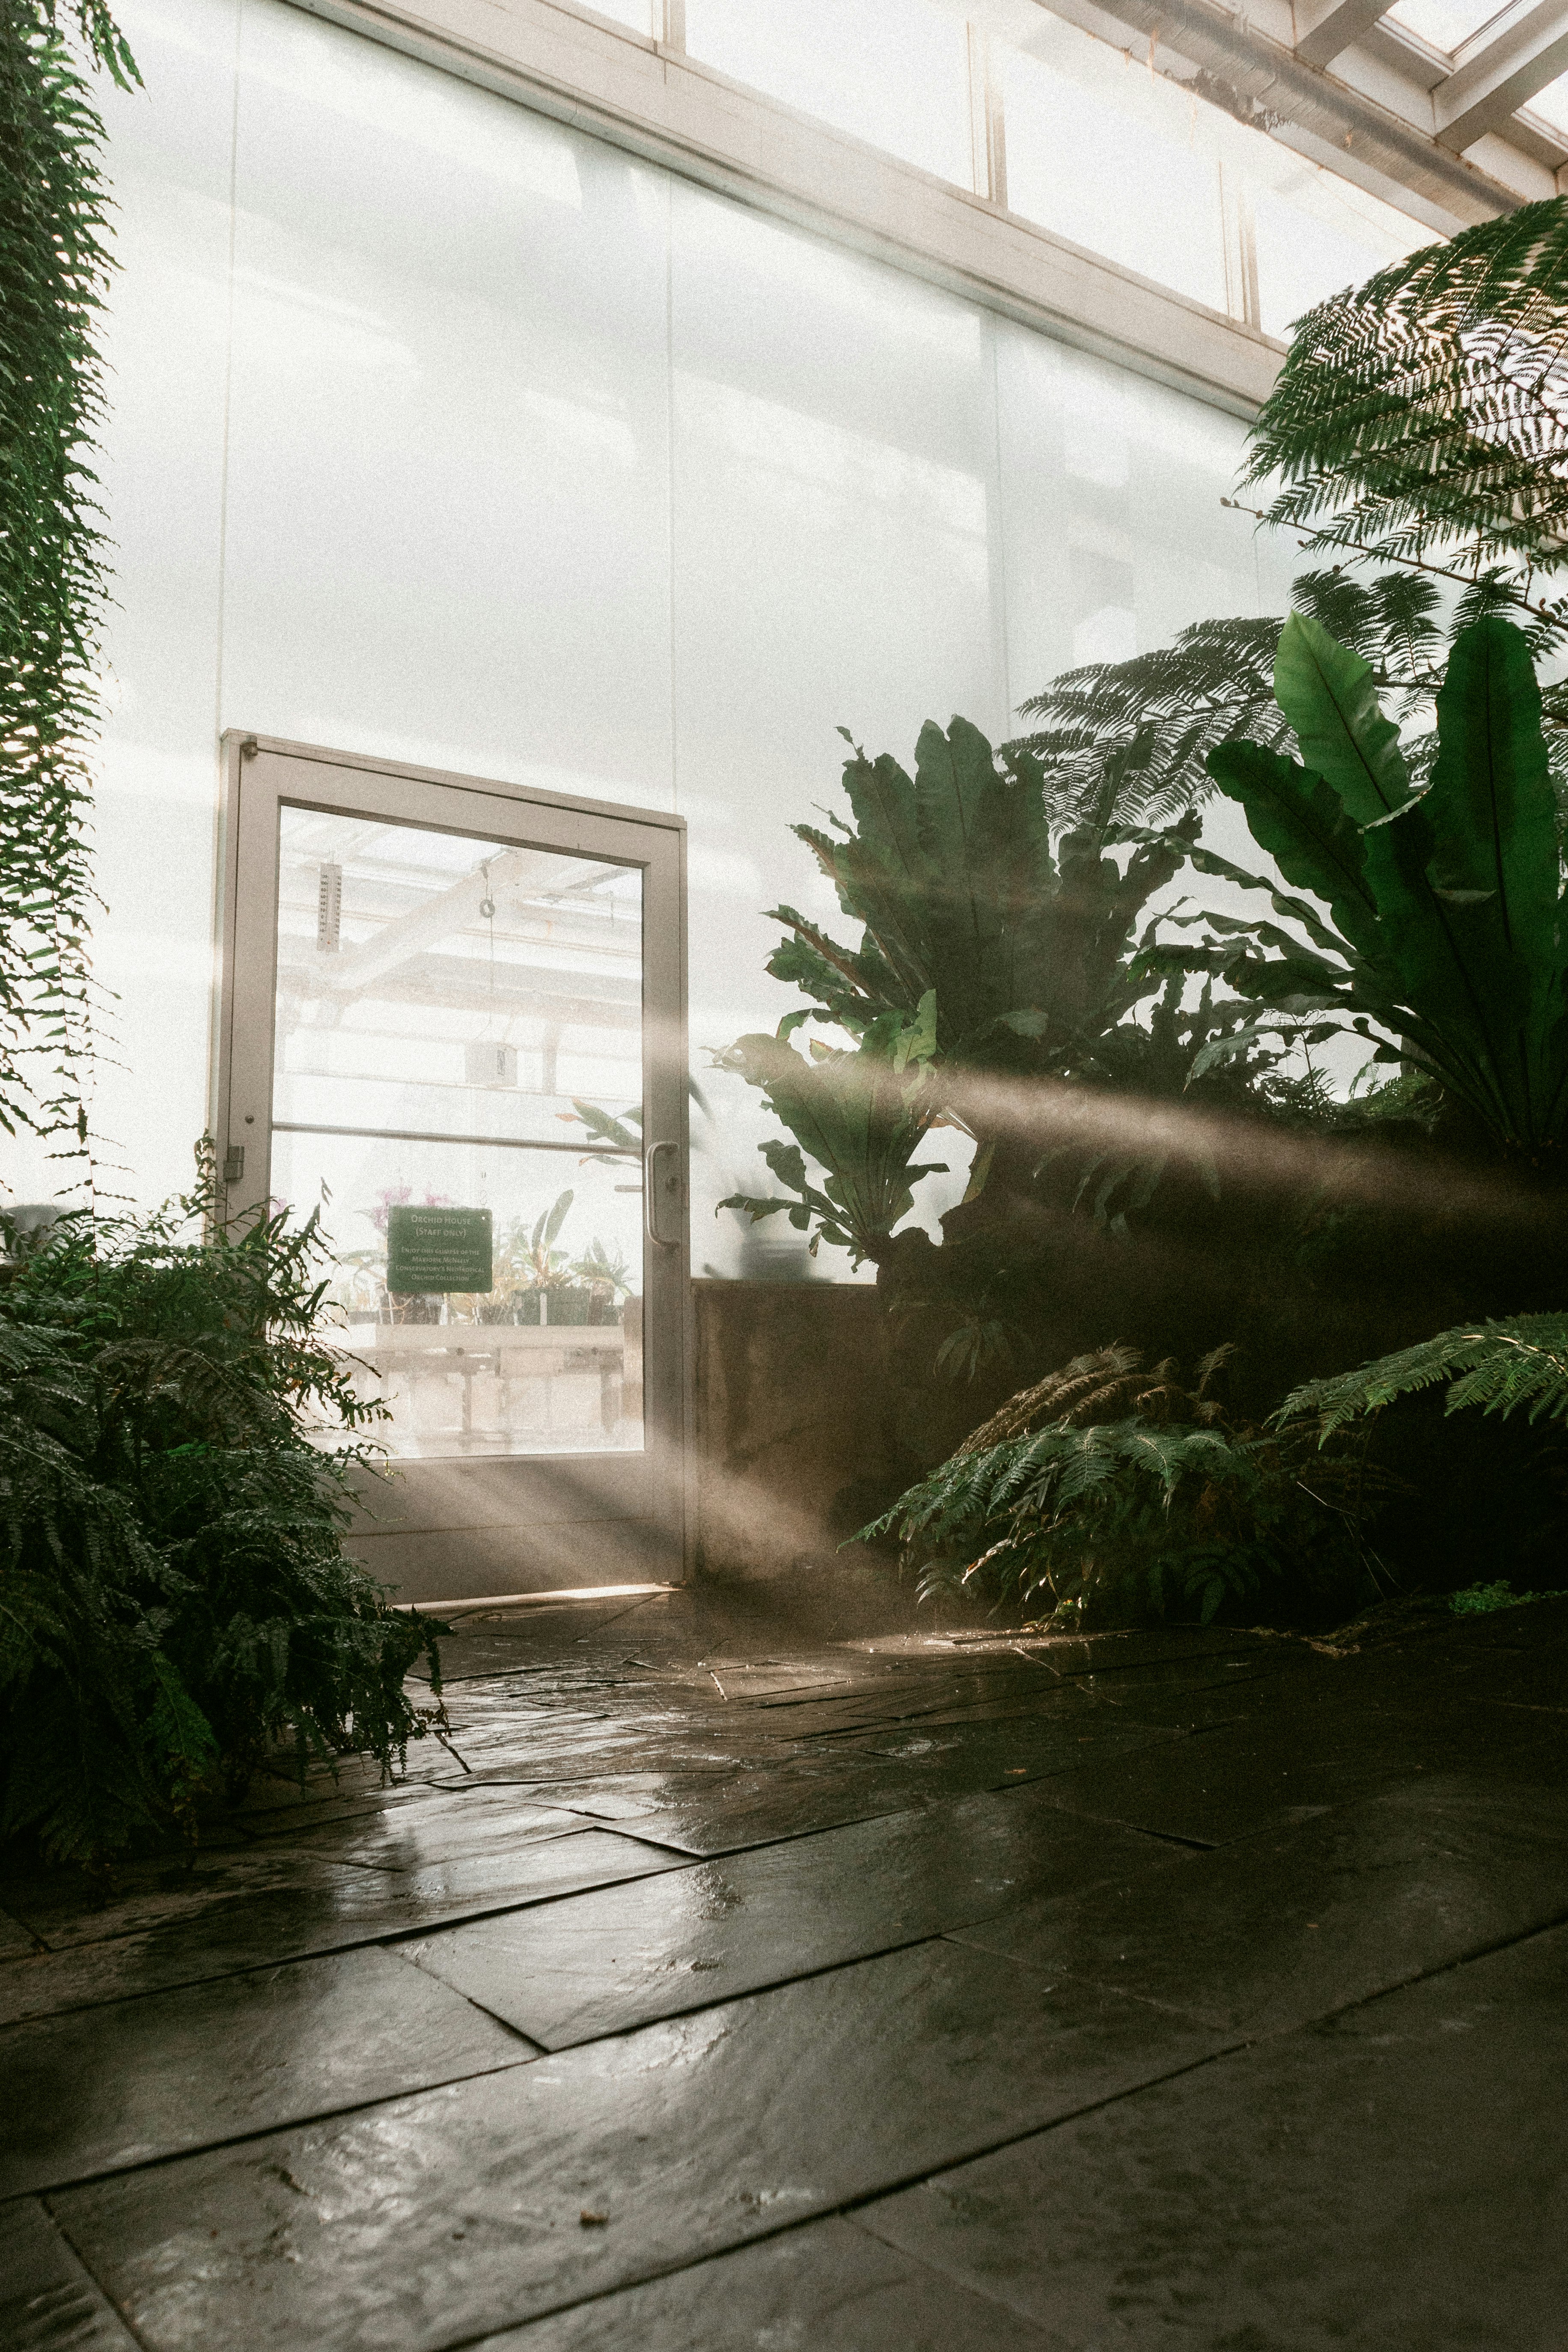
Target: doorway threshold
(566, 1597)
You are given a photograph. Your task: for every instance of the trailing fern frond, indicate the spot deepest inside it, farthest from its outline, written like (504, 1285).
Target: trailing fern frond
(1516, 1365)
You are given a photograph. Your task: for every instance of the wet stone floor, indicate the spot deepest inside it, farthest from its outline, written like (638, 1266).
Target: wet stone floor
(715, 1988)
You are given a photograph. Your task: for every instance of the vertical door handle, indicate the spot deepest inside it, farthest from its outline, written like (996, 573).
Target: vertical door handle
(662, 1192)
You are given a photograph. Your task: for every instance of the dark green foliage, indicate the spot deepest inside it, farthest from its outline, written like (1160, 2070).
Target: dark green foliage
(1425, 412)
(1483, 1600)
(1132, 738)
(862, 1115)
(54, 264)
(1519, 1364)
(997, 948)
(1139, 1495)
(1024, 946)
(175, 1598)
(1439, 920)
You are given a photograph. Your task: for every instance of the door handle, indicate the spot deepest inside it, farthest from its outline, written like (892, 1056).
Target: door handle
(663, 1190)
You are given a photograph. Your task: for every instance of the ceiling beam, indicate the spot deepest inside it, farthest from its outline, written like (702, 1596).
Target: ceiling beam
(1523, 52)
(1324, 29)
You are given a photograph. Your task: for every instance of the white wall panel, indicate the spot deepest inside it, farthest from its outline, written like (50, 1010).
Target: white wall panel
(448, 536)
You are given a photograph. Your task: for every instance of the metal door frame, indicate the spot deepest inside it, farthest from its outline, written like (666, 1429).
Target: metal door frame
(242, 1063)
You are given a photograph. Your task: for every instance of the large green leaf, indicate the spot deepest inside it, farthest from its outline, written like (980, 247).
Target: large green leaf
(1328, 696)
(1302, 822)
(1490, 805)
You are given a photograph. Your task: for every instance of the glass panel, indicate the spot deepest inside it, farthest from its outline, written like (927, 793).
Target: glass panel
(638, 14)
(1116, 158)
(893, 72)
(459, 1026)
(1446, 24)
(1552, 104)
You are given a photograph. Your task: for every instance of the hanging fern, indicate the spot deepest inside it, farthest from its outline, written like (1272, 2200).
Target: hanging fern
(54, 266)
(1520, 1365)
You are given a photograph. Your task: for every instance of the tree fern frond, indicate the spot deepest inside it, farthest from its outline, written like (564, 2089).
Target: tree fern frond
(1429, 408)
(1503, 1366)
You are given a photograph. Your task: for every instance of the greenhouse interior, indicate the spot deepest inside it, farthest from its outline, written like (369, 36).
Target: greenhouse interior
(784, 892)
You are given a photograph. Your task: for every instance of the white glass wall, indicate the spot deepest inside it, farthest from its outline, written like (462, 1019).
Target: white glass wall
(444, 434)
(893, 72)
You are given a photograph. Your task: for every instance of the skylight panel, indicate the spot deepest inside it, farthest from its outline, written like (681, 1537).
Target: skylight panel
(1552, 104)
(892, 72)
(1445, 24)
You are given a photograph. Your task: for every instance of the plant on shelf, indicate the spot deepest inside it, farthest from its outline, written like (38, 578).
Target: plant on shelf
(604, 1273)
(997, 952)
(179, 1434)
(1434, 926)
(1105, 1491)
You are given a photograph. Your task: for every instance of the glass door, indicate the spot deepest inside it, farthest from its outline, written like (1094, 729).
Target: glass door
(454, 1029)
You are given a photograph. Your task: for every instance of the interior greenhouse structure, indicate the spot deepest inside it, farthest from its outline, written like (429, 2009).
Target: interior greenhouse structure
(783, 893)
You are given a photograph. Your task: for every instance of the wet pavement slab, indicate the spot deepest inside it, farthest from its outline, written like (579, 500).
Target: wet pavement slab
(431, 2219)
(704, 1987)
(569, 1972)
(1394, 2177)
(828, 2287)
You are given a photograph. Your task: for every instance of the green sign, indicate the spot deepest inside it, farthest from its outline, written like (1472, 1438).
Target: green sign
(438, 1249)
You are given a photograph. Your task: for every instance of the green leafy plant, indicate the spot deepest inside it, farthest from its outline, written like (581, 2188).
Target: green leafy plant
(861, 1117)
(1423, 416)
(1438, 931)
(1107, 1489)
(54, 268)
(178, 1435)
(1009, 938)
(528, 1253)
(992, 948)
(1484, 1599)
(1515, 1364)
(603, 1271)
(1131, 739)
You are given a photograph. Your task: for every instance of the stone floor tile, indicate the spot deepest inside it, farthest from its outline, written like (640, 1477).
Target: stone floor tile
(596, 1964)
(826, 2288)
(444, 1829)
(1288, 1926)
(63, 1907)
(133, 2080)
(437, 2218)
(48, 2302)
(1260, 1772)
(1396, 2179)
(339, 1906)
(16, 1942)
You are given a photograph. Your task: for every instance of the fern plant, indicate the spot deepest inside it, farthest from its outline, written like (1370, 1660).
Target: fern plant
(1136, 1494)
(1423, 417)
(54, 268)
(176, 1437)
(1518, 1364)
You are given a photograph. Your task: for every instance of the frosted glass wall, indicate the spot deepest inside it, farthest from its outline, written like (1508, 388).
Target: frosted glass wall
(893, 72)
(1151, 176)
(444, 434)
